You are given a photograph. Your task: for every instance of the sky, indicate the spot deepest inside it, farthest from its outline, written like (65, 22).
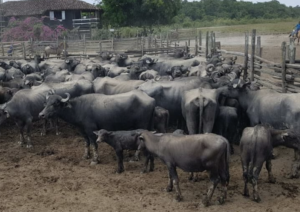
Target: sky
(292, 3)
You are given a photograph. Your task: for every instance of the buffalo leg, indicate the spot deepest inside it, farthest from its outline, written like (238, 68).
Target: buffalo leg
(44, 131)
(256, 171)
(21, 126)
(56, 126)
(149, 157)
(119, 154)
(87, 153)
(270, 174)
(28, 132)
(92, 139)
(215, 180)
(173, 180)
(246, 178)
(170, 184)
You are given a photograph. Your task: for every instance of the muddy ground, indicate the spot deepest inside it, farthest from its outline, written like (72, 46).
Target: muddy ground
(52, 176)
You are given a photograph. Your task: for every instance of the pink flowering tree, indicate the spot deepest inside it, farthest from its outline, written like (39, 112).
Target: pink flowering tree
(31, 27)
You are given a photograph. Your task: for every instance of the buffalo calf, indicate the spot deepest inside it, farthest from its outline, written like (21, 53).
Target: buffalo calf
(161, 119)
(256, 148)
(191, 153)
(123, 140)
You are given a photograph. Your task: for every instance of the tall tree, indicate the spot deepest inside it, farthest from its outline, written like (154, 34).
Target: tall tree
(139, 12)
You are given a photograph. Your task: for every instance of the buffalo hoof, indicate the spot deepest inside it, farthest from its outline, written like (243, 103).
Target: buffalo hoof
(119, 171)
(144, 171)
(86, 156)
(246, 194)
(21, 143)
(257, 199)
(169, 189)
(221, 200)
(272, 180)
(205, 202)
(29, 146)
(178, 198)
(93, 163)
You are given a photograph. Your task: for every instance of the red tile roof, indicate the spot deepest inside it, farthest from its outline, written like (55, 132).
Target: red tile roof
(38, 7)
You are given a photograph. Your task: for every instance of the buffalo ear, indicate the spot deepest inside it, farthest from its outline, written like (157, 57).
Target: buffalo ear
(159, 134)
(169, 71)
(67, 105)
(6, 113)
(96, 133)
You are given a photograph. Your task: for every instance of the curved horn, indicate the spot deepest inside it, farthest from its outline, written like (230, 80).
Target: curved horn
(3, 106)
(66, 99)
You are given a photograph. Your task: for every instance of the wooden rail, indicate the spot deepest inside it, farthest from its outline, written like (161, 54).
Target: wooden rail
(281, 76)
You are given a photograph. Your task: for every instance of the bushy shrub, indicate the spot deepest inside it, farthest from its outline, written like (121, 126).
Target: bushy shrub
(31, 28)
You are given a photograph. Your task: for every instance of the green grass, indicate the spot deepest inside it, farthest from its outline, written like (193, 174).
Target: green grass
(262, 28)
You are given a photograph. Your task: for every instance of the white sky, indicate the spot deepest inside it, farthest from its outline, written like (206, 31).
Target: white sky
(292, 3)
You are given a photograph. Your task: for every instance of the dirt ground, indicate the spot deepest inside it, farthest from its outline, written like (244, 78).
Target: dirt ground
(52, 176)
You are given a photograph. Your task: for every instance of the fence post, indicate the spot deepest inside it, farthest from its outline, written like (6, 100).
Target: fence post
(283, 67)
(2, 47)
(211, 42)
(100, 45)
(214, 42)
(142, 45)
(196, 46)
(252, 54)
(292, 51)
(112, 43)
(200, 40)
(246, 55)
(65, 47)
(258, 47)
(167, 43)
(24, 50)
(206, 44)
(155, 47)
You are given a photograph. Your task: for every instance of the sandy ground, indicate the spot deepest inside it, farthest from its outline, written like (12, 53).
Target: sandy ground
(52, 176)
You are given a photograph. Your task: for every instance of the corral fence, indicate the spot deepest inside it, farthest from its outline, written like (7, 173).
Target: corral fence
(283, 76)
(193, 41)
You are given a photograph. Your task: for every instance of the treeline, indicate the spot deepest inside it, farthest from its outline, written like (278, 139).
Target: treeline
(150, 13)
(209, 10)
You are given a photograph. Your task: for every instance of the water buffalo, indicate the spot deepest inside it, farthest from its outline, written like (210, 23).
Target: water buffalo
(54, 50)
(91, 112)
(124, 140)
(161, 119)
(168, 94)
(148, 75)
(261, 105)
(113, 70)
(111, 86)
(226, 124)
(199, 108)
(25, 107)
(191, 153)
(31, 67)
(256, 148)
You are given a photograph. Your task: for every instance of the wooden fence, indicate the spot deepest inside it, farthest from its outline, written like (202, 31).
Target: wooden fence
(283, 77)
(137, 46)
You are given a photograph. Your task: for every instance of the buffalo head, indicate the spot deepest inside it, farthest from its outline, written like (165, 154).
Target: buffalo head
(54, 103)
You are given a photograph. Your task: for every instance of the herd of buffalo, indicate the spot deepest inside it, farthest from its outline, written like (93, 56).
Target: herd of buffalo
(121, 101)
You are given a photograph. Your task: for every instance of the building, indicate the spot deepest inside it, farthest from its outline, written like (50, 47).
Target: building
(69, 13)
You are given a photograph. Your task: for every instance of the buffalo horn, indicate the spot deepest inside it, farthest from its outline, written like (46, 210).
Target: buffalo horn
(67, 98)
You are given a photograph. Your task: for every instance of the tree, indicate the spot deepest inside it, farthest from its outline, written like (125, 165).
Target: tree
(139, 12)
